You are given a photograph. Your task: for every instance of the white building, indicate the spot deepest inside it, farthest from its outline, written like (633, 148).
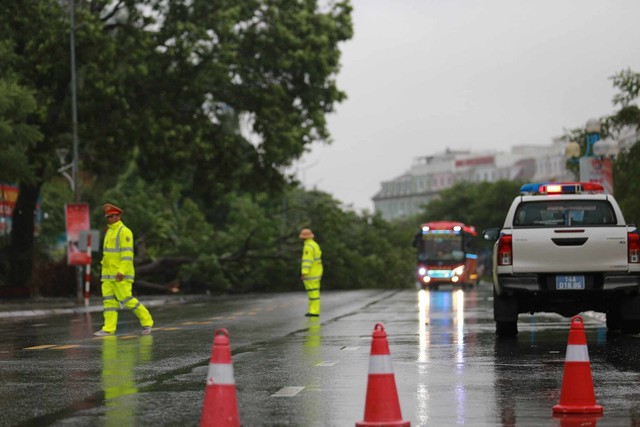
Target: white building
(407, 194)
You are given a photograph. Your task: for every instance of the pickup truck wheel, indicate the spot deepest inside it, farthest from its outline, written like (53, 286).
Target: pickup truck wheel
(506, 329)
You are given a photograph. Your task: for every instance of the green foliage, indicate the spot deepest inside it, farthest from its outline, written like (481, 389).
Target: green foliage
(358, 250)
(16, 135)
(252, 251)
(628, 84)
(626, 175)
(235, 91)
(259, 249)
(54, 196)
(218, 97)
(627, 183)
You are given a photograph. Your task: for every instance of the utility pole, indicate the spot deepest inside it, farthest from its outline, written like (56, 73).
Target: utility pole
(74, 118)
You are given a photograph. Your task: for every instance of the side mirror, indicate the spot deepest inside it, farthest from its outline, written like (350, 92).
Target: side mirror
(491, 233)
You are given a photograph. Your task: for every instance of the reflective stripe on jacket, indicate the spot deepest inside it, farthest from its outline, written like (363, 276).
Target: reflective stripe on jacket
(311, 265)
(118, 252)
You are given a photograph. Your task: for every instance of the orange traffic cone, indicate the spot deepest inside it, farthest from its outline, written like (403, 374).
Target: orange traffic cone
(220, 407)
(382, 407)
(577, 395)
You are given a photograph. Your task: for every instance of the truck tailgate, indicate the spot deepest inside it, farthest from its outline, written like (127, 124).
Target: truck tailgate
(569, 249)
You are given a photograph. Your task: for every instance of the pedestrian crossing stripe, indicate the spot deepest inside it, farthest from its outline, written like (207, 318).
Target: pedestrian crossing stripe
(40, 347)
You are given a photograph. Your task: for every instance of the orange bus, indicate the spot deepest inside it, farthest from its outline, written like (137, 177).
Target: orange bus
(446, 254)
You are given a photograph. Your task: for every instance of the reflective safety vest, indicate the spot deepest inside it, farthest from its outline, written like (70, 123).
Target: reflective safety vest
(311, 265)
(117, 251)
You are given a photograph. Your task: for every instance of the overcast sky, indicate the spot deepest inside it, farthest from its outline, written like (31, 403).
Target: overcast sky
(424, 75)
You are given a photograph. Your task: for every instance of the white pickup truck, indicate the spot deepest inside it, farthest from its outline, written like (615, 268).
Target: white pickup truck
(565, 248)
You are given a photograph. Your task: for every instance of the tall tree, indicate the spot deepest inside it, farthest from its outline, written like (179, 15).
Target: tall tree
(219, 96)
(626, 172)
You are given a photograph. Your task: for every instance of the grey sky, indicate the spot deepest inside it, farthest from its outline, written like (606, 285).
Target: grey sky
(424, 75)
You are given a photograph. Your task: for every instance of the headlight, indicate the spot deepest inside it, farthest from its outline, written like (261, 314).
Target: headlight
(458, 271)
(422, 271)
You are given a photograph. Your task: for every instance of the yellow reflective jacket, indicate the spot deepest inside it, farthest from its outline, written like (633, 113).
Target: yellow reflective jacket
(311, 266)
(118, 252)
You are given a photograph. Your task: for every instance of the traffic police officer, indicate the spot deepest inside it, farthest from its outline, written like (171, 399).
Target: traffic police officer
(118, 274)
(311, 270)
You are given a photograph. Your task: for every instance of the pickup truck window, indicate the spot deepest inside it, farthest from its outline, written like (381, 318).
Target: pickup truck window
(565, 213)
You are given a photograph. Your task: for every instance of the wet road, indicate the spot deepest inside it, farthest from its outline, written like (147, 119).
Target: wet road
(449, 367)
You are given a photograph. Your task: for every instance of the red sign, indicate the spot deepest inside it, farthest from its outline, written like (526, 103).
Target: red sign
(77, 219)
(475, 161)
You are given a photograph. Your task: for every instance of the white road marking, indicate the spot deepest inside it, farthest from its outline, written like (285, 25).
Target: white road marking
(288, 391)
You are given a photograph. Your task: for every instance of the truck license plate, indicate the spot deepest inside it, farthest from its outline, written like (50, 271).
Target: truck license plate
(569, 282)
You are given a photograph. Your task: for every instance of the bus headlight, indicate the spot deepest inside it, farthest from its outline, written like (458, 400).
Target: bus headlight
(422, 271)
(458, 271)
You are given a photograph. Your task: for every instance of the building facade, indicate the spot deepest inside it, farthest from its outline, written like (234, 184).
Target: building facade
(407, 194)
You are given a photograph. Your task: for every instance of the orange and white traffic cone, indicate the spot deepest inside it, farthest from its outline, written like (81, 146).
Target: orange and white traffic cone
(382, 407)
(577, 394)
(220, 408)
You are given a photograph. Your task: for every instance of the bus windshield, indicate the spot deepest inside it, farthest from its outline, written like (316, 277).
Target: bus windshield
(441, 247)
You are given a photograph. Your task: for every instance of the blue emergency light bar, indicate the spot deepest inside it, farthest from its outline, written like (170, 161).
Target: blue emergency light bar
(562, 188)
(531, 188)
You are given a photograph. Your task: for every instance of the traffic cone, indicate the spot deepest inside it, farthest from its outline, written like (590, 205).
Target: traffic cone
(220, 408)
(577, 395)
(382, 407)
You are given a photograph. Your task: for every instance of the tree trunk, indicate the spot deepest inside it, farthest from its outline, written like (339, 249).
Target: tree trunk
(21, 249)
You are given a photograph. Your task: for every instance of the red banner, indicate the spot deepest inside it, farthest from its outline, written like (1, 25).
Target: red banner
(77, 219)
(8, 197)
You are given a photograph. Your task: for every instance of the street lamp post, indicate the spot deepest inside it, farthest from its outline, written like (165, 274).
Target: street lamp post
(593, 135)
(74, 120)
(64, 166)
(592, 165)
(573, 150)
(595, 167)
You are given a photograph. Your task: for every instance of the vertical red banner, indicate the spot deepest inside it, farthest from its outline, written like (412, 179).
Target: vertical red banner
(8, 197)
(77, 219)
